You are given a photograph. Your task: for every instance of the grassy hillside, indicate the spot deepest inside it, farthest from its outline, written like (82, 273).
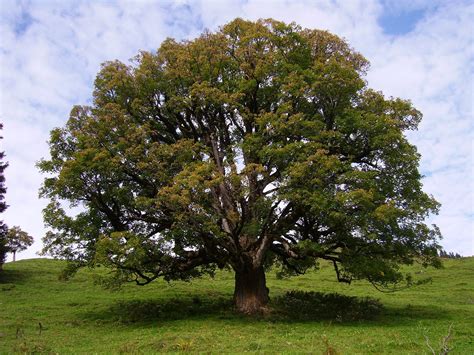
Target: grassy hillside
(80, 317)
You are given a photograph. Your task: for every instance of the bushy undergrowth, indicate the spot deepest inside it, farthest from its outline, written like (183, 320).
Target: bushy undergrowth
(301, 305)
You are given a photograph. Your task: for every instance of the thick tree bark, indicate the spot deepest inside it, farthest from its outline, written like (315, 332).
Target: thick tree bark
(251, 292)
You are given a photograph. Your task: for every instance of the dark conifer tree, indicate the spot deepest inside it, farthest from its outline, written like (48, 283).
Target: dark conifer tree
(3, 207)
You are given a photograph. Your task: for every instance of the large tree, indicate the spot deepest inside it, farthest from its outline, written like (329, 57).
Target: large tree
(3, 207)
(254, 145)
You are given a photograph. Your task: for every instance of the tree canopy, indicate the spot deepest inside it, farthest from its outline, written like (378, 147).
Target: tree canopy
(255, 145)
(18, 240)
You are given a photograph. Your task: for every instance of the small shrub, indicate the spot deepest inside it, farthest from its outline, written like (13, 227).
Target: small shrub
(444, 346)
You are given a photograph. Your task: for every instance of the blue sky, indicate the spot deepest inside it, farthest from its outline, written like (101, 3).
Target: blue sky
(421, 50)
(400, 22)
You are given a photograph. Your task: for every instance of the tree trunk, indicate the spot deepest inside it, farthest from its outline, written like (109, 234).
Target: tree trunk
(14, 255)
(251, 292)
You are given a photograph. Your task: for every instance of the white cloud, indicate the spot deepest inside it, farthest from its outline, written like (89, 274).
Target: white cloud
(50, 63)
(433, 67)
(48, 68)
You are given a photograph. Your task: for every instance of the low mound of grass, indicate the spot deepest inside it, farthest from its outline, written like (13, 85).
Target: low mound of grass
(307, 314)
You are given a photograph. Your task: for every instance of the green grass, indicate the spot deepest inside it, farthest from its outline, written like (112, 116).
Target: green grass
(78, 316)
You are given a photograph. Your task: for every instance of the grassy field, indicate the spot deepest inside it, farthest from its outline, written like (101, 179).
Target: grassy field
(79, 316)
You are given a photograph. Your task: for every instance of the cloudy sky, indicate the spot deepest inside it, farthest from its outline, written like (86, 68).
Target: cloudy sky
(421, 50)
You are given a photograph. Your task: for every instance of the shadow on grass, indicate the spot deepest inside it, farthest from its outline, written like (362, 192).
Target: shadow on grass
(294, 306)
(8, 278)
(151, 310)
(410, 314)
(300, 306)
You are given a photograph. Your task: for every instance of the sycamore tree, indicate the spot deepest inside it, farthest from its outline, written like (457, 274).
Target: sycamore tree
(256, 145)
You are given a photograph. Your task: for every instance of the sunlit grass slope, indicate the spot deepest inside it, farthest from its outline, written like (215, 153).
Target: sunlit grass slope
(39, 313)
